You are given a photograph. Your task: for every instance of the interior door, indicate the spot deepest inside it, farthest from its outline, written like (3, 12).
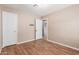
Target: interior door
(9, 28)
(38, 29)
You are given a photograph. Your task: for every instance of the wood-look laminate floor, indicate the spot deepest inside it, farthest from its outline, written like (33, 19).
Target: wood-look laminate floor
(38, 47)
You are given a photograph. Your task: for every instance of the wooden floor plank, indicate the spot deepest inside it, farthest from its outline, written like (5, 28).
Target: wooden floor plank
(38, 47)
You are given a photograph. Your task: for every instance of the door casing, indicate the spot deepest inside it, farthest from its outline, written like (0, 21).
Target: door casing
(9, 28)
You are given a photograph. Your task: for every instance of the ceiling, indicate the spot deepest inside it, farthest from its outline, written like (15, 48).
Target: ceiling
(40, 10)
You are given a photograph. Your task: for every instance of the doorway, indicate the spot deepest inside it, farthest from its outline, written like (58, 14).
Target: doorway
(45, 29)
(41, 29)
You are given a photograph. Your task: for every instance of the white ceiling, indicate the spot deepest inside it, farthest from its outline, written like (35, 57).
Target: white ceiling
(41, 10)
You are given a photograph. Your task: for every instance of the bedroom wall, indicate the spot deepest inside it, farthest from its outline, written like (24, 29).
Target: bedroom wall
(25, 32)
(63, 26)
(0, 32)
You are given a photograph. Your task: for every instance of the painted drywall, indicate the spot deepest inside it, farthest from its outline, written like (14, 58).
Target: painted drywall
(25, 31)
(0, 32)
(63, 26)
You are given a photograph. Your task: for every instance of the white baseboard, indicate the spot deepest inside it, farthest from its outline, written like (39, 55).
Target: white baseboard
(25, 41)
(64, 45)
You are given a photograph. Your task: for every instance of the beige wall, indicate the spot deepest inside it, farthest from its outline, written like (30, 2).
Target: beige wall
(63, 26)
(0, 31)
(25, 32)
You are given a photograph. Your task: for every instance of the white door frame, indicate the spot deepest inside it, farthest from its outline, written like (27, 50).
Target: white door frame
(3, 24)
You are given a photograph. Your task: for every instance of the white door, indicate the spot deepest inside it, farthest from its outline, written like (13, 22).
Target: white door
(9, 28)
(38, 29)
